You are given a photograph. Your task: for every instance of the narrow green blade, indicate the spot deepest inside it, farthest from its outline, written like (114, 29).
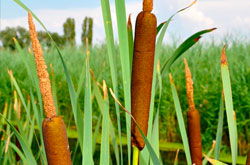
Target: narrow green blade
(229, 106)
(126, 73)
(87, 138)
(111, 55)
(219, 129)
(180, 121)
(188, 43)
(100, 103)
(105, 129)
(24, 144)
(96, 133)
(20, 94)
(155, 131)
(159, 27)
(130, 41)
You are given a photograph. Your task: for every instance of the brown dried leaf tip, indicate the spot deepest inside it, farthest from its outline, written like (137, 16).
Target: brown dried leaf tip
(43, 75)
(105, 90)
(170, 77)
(189, 86)
(129, 22)
(223, 56)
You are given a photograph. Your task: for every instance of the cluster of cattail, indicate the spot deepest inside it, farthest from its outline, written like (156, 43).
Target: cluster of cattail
(53, 127)
(142, 71)
(193, 119)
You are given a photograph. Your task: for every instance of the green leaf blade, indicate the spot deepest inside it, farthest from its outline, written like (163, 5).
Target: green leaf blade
(181, 122)
(229, 106)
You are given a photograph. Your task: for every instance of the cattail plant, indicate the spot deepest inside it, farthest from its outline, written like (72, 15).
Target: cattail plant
(142, 71)
(54, 130)
(193, 119)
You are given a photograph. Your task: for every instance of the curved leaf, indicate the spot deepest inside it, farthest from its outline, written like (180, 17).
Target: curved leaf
(188, 43)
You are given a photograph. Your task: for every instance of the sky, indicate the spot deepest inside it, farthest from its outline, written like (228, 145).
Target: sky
(231, 17)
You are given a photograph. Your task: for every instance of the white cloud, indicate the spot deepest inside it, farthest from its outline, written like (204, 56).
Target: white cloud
(197, 18)
(54, 19)
(242, 22)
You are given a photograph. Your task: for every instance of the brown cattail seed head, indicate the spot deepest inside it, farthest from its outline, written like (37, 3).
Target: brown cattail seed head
(43, 75)
(142, 73)
(56, 141)
(193, 120)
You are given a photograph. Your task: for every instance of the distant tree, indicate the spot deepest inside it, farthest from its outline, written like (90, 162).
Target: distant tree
(90, 31)
(43, 38)
(46, 41)
(60, 40)
(84, 31)
(69, 31)
(20, 33)
(87, 31)
(23, 36)
(6, 37)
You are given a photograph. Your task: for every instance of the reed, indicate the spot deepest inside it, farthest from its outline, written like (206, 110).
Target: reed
(142, 71)
(53, 128)
(193, 119)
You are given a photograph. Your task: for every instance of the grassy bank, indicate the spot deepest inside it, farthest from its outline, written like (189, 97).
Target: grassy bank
(207, 86)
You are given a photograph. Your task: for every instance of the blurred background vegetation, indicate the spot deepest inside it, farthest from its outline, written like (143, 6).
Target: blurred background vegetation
(203, 59)
(68, 37)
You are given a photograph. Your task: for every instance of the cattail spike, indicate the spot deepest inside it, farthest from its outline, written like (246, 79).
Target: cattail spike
(43, 75)
(147, 5)
(189, 86)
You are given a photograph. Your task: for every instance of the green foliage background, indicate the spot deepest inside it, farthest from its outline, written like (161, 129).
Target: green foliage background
(204, 63)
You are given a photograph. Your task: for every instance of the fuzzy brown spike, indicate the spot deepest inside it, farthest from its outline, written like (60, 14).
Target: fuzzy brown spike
(142, 74)
(193, 120)
(189, 86)
(43, 75)
(147, 5)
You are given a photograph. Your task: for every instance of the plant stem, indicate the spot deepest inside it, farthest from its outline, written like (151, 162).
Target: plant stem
(135, 155)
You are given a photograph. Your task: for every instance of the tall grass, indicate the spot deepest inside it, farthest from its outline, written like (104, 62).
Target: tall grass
(207, 57)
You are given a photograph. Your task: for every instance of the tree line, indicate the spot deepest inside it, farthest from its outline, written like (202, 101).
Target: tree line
(68, 37)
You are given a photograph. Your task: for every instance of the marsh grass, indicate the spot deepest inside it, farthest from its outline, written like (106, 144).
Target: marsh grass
(207, 87)
(76, 101)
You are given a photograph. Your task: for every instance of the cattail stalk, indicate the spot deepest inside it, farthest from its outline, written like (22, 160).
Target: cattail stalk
(248, 158)
(142, 71)
(53, 128)
(193, 119)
